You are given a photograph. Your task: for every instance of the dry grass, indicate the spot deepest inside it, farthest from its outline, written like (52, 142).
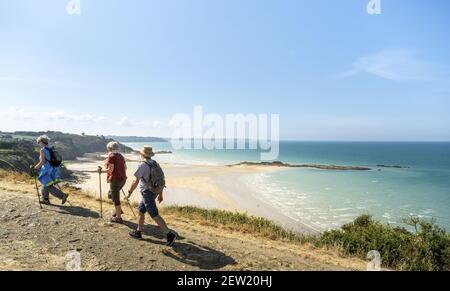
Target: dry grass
(239, 222)
(16, 177)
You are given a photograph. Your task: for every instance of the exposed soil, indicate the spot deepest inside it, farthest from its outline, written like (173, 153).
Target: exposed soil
(35, 239)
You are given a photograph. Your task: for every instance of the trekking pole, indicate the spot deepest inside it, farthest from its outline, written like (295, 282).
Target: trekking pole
(37, 188)
(100, 183)
(129, 204)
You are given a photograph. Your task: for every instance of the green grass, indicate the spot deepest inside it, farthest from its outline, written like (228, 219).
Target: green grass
(239, 222)
(24, 137)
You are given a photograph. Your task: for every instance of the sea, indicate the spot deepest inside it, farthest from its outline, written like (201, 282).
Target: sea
(407, 179)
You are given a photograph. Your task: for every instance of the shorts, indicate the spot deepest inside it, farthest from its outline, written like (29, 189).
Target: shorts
(148, 204)
(114, 192)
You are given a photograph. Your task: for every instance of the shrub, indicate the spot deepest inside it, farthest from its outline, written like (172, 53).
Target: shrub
(426, 249)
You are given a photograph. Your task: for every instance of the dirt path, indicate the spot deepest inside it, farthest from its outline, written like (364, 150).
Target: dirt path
(34, 239)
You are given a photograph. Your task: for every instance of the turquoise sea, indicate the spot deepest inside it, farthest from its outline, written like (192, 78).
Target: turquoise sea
(326, 199)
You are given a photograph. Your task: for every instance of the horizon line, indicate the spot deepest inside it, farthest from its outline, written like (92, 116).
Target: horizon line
(224, 139)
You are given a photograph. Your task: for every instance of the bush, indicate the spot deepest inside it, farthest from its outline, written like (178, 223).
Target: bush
(426, 249)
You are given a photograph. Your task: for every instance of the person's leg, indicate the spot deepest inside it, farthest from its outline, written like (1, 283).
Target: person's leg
(141, 221)
(45, 194)
(115, 195)
(150, 205)
(170, 235)
(58, 194)
(119, 210)
(137, 234)
(162, 224)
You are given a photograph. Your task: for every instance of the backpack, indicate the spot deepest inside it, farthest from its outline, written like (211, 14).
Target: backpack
(55, 158)
(157, 181)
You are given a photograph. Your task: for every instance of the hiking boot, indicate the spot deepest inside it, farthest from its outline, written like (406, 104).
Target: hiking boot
(171, 237)
(64, 200)
(46, 202)
(117, 220)
(114, 215)
(136, 234)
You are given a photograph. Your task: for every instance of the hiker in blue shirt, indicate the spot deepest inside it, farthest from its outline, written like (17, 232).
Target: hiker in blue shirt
(49, 176)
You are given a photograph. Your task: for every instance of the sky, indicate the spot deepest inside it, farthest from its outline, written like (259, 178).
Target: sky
(328, 68)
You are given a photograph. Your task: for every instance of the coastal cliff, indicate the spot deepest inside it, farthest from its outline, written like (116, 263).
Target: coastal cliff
(18, 150)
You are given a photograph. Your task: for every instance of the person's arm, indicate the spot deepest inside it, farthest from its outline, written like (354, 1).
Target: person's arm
(133, 186)
(109, 169)
(41, 160)
(109, 166)
(160, 197)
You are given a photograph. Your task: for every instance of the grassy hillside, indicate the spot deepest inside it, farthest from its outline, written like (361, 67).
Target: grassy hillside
(18, 150)
(425, 249)
(17, 156)
(137, 139)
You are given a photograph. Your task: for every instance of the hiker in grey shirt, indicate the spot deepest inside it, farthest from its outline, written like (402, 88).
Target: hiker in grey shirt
(142, 179)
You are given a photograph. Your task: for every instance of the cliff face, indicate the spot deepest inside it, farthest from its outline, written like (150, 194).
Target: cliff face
(71, 146)
(17, 155)
(18, 150)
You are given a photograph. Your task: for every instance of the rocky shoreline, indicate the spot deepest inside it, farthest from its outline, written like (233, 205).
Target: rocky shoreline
(314, 166)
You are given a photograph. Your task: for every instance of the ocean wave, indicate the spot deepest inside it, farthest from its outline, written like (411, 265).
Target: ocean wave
(289, 201)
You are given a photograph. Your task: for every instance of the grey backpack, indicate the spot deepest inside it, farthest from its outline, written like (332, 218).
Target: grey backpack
(157, 181)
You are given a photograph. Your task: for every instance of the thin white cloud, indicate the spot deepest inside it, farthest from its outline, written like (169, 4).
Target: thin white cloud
(392, 64)
(55, 115)
(15, 113)
(88, 118)
(148, 124)
(12, 119)
(124, 121)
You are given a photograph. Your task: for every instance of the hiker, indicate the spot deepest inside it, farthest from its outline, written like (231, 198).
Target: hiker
(49, 167)
(150, 180)
(115, 168)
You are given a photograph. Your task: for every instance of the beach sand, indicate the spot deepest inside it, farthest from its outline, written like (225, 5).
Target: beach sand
(206, 186)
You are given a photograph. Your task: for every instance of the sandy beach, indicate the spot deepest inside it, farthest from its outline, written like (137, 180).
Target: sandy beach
(206, 186)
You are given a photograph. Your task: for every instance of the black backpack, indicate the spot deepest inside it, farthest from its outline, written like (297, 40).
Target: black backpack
(55, 158)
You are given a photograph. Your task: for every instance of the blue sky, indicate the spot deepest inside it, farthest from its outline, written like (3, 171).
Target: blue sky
(331, 70)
